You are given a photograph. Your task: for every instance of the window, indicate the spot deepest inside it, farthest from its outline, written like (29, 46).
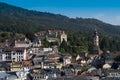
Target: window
(13, 59)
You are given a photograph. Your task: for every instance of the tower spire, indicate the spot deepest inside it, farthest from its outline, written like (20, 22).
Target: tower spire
(95, 33)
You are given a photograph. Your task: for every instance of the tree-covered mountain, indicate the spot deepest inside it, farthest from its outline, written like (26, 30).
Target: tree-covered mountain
(21, 20)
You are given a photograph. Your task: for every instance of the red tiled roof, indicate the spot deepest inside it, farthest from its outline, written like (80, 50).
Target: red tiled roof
(27, 63)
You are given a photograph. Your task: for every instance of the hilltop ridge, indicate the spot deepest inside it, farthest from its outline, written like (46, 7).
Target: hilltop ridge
(21, 20)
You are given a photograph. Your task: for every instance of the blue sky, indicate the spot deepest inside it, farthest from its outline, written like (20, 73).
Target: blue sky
(105, 10)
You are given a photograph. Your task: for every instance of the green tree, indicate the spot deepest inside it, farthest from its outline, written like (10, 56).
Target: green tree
(30, 36)
(105, 43)
(63, 46)
(46, 43)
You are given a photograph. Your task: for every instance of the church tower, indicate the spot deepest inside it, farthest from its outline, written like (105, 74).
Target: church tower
(96, 39)
(63, 37)
(96, 43)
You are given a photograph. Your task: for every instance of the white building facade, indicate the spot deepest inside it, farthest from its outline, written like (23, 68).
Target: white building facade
(13, 54)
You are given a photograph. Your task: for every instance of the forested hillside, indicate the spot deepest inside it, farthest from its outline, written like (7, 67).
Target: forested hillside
(22, 21)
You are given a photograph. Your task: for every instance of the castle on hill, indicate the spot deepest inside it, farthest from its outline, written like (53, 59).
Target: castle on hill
(52, 35)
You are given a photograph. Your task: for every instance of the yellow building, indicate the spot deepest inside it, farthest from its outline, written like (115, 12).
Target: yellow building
(16, 66)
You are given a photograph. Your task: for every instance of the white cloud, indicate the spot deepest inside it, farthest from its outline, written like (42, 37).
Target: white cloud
(99, 16)
(111, 19)
(115, 20)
